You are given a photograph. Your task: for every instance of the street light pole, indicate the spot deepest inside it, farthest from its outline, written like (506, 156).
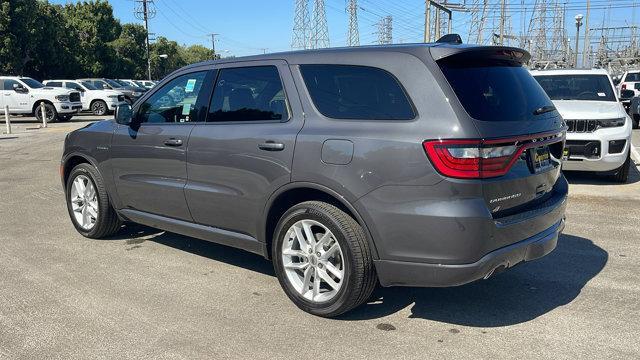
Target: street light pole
(578, 23)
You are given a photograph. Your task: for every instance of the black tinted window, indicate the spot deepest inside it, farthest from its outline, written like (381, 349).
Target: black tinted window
(248, 94)
(54, 83)
(577, 87)
(8, 84)
(495, 90)
(356, 92)
(174, 102)
(632, 77)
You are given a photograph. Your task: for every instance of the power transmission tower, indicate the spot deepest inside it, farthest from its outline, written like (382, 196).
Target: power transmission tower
(478, 19)
(354, 34)
(385, 30)
(319, 32)
(145, 10)
(301, 25)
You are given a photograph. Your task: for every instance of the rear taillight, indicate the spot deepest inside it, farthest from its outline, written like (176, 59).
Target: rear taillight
(624, 87)
(472, 159)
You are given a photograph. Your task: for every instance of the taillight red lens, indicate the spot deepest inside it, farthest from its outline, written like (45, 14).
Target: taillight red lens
(624, 87)
(471, 159)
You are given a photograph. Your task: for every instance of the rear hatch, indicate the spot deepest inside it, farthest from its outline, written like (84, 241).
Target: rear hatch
(519, 150)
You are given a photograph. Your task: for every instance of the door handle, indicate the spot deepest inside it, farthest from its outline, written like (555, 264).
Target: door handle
(173, 142)
(271, 146)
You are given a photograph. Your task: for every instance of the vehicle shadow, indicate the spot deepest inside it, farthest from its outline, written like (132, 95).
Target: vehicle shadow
(135, 234)
(517, 295)
(593, 178)
(520, 294)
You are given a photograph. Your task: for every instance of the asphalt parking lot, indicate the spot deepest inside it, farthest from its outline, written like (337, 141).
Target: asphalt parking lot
(146, 294)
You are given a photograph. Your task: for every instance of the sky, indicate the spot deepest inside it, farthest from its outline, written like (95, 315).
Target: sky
(254, 26)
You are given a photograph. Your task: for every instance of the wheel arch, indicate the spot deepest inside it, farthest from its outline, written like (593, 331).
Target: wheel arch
(294, 193)
(72, 160)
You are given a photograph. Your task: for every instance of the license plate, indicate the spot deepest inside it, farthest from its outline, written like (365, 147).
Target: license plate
(539, 158)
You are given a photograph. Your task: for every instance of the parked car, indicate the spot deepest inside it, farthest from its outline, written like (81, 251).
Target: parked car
(599, 134)
(412, 165)
(24, 95)
(146, 83)
(129, 82)
(131, 93)
(634, 111)
(630, 80)
(98, 101)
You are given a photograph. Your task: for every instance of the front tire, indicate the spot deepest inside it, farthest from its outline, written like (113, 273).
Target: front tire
(88, 203)
(99, 108)
(50, 111)
(622, 173)
(322, 259)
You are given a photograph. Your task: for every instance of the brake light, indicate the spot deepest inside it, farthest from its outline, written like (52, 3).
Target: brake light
(472, 159)
(624, 87)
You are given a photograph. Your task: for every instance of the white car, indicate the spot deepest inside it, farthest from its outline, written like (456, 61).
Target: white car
(630, 80)
(98, 101)
(146, 83)
(24, 95)
(599, 134)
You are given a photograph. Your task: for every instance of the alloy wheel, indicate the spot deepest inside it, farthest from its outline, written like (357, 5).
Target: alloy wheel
(313, 260)
(84, 202)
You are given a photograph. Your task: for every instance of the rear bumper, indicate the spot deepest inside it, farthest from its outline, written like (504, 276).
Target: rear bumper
(401, 273)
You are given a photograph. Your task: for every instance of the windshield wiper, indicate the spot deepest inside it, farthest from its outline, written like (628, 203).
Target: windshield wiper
(544, 109)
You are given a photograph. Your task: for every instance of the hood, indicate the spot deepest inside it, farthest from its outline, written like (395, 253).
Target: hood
(110, 92)
(580, 109)
(53, 90)
(131, 89)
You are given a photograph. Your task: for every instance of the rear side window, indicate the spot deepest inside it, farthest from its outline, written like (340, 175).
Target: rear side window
(356, 92)
(495, 90)
(54, 83)
(248, 94)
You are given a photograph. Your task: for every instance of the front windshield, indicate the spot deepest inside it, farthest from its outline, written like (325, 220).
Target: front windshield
(113, 83)
(34, 84)
(577, 87)
(88, 85)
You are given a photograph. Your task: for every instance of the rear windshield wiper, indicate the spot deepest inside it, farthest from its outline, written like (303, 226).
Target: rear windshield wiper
(544, 109)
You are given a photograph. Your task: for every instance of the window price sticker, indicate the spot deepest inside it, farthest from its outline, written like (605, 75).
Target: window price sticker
(191, 84)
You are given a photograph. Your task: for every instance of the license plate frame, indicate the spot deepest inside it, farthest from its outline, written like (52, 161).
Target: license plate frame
(539, 159)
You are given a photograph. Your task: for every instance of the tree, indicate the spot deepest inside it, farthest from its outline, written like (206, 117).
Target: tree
(161, 67)
(18, 20)
(130, 55)
(196, 53)
(92, 25)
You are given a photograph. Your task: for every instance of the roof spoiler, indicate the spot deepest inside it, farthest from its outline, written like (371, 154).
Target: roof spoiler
(450, 39)
(470, 53)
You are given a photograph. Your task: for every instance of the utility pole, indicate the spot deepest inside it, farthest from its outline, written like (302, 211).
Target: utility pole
(354, 34)
(213, 43)
(578, 23)
(586, 57)
(427, 21)
(502, 19)
(145, 10)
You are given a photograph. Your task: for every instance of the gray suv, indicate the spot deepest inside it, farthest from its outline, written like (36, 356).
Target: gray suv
(403, 165)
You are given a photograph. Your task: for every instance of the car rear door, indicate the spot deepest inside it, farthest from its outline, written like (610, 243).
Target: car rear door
(244, 151)
(149, 156)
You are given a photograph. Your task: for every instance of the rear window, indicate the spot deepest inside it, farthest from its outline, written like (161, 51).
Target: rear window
(632, 77)
(577, 87)
(495, 90)
(356, 92)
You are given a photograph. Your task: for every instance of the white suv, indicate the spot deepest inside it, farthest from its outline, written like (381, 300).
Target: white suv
(630, 80)
(24, 95)
(599, 134)
(98, 101)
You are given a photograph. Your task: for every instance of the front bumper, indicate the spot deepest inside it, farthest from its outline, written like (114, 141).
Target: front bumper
(115, 104)
(604, 161)
(401, 273)
(67, 107)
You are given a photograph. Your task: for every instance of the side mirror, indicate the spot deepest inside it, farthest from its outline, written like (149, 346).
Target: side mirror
(124, 114)
(20, 89)
(626, 94)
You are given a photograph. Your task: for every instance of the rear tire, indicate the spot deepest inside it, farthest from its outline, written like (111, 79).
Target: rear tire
(106, 221)
(352, 258)
(622, 173)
